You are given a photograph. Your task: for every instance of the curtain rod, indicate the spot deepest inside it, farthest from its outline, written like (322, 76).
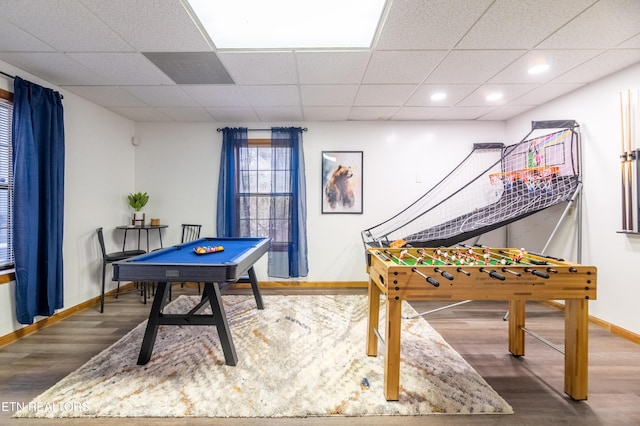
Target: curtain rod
(14, 77)
(304, 129)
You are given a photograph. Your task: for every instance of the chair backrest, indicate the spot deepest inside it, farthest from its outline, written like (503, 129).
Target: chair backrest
(190, 232)
(101, 240)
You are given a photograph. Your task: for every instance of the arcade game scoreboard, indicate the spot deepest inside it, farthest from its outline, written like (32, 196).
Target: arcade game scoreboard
(479, 273)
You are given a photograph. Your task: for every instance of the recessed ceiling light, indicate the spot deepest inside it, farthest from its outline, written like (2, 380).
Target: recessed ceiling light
(438, 96)
(494, 96)
(537, 69)
(260, 24)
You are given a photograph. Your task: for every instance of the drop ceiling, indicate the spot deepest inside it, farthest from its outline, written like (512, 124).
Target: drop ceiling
(113, 53)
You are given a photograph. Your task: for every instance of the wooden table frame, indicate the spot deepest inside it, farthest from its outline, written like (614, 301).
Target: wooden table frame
(393, 283)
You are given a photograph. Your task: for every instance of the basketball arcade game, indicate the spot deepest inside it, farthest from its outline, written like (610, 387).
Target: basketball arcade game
(491, 188)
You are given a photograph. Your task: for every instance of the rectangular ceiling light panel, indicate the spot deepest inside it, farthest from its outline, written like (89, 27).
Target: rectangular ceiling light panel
(273, 24)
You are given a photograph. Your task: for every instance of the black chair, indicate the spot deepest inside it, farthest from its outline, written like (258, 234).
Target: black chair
(110, 258)
(190, 232)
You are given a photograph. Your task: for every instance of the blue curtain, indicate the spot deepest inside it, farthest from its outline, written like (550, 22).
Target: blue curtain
(38, 207)
(287, 216)
(287, 159)
(233, 141)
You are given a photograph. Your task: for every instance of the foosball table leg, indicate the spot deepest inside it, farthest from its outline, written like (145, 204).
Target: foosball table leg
(516, 326)
(576, 350)
(373, 319)
(392, 349)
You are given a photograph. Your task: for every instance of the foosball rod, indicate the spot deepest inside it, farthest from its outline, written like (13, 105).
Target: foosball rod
(436, 269)
(429, 279)
(533, 271)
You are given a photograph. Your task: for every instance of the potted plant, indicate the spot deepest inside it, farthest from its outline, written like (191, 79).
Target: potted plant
(138, 200)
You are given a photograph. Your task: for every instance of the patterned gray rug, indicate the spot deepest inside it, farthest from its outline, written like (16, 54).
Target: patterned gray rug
(301, 356)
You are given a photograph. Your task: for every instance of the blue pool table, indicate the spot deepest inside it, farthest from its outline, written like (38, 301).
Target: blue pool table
(181, 263)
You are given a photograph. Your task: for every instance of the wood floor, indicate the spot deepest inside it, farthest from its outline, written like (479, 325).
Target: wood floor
(532, 384)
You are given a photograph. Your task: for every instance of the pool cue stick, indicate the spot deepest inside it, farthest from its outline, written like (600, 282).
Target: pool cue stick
(623, 158)
(628, 162)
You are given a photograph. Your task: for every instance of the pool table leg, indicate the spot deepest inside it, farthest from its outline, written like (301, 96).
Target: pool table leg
(254, 286)
(152, 325)
(212, 291)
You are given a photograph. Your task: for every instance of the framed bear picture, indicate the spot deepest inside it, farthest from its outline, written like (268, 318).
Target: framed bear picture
(342, 182)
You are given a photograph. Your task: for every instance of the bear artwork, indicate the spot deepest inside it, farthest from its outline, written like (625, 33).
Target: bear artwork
(339, 189)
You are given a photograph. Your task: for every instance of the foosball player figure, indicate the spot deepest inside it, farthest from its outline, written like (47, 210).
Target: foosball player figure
(486, 256)
(403, 253)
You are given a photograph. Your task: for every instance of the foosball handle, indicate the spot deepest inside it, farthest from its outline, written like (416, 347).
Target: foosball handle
(444, 274)
(494, 274)
(537, 273)
(429, 279)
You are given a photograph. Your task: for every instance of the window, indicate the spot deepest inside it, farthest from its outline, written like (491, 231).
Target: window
(6, 180)
(264, 192)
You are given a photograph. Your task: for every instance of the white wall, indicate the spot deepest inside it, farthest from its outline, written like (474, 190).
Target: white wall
(596, 108)
(99, 172)
(178, 165)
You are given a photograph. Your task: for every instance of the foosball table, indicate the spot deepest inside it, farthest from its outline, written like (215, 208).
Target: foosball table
(479, 273)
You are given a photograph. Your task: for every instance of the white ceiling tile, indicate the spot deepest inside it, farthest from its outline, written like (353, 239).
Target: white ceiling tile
(217, 96)
(428, 24)
(260, 67)
(604, 25)
(506, 18)
(233, 114)
(328, 95)
(123, 68)
(48, 20)
(504, 113)
(463, 113)
(141, 114)
(417, 113)
(161, 96)
(384, 95)
(187, 114)
(108, 96)
(262, 96)
(472, 66)
(151, 25)
(401, 66)
(279, 113)
(509, 92)
(632, 43)
(372, 113)
(14, 39)
(56, 68)
(454, 92)
(545, 93)
(602, 65)
(560, 61)
(312, 113)
(332, 67)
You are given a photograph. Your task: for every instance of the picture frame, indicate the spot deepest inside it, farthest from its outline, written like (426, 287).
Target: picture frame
(342, 182)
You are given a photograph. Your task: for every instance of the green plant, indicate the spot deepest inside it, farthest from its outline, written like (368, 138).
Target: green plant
(138, 200)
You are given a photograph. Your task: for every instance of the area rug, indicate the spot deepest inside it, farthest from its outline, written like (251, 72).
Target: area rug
(301, 356)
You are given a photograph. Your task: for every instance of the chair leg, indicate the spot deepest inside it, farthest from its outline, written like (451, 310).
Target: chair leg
(118, 289)
(104, 271)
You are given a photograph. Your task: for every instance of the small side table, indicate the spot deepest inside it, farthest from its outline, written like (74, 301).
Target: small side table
(140, 228)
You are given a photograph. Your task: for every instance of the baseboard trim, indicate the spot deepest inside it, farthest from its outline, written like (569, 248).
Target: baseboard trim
(611, 328)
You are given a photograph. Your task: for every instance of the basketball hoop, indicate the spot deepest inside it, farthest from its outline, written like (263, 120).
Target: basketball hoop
(538, 177)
